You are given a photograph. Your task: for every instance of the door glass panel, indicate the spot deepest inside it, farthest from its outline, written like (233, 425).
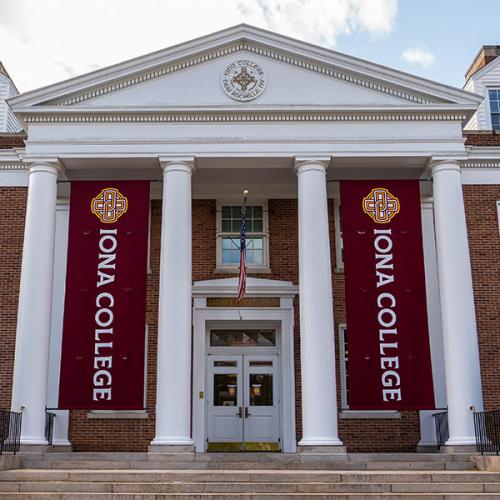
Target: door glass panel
(242, 338)
(261, 363)
(261, 389)
(225, 363)
(225, 389)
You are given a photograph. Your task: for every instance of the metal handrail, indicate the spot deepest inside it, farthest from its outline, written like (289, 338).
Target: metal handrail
(10, 431)
(487, 431)
(49, 426)
(441, 424)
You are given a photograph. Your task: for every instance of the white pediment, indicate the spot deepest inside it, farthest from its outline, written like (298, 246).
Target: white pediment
(189, 76)
(286, 85)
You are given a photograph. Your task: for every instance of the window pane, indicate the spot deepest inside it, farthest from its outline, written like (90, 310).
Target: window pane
(257, 212)
(249, 211)
(226, 225)
(261, 389)
(231, 243)
(242, 338)
(254, 243)
(236, 225)
(225, 389)
(226, 212)
(237, 212)
(257, 226)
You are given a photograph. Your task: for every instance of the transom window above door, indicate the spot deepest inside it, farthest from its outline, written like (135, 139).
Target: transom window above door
(242, 338)
(228, 236)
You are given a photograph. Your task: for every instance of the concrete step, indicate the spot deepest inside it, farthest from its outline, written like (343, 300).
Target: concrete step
(239, 476)
(308, 465)
(245, 487)
(242, 496)
(320, 461)
(74, 484)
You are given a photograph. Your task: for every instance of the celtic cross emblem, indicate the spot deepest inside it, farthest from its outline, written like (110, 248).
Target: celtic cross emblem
(381, 205)
(243, 79)
(109, 205)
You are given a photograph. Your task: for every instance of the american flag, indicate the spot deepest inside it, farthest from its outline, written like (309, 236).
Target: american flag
(242, 282)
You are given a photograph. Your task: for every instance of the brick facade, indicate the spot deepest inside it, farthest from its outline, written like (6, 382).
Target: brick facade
(484, 244)
(12, 212)
(9, 141)
(482, 138)
(135, 434)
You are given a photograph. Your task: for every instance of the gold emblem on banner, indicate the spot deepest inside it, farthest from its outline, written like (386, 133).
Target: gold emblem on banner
(381, 205)
(109, 205)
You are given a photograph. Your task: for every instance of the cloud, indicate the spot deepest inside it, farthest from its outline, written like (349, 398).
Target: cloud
(420, 56)
(45, 42)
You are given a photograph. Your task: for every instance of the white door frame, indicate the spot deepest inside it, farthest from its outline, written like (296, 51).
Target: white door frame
(281, 318)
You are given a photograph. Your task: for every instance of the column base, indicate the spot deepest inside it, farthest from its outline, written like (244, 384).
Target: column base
(35, 441)
(171, 453)
(319, 446)
(427, 448)
(458, 448)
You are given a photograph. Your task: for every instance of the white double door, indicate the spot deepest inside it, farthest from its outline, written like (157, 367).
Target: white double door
(243, 402)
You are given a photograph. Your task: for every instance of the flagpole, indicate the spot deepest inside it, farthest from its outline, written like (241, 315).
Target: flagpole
(242, 274)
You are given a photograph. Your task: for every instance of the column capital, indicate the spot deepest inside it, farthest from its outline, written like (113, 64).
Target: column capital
(442, 164)
(305, 163)
(177, 163)
(49, 166)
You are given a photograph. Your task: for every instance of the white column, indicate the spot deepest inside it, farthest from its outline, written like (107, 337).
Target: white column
(427, 425)
(173, 414)
(461, 352)
(29, 388)
(61, 422)
(317, 348)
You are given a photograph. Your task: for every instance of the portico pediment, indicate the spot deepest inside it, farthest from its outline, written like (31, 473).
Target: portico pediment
(295, 76)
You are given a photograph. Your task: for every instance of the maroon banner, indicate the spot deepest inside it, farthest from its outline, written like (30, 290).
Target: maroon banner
(102, 363)
(389, 365)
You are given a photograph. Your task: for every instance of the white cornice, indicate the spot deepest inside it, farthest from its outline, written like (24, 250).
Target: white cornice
(242, 37)
(245, 115)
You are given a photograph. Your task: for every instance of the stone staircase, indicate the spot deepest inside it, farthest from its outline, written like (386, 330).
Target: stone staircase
(144, 476)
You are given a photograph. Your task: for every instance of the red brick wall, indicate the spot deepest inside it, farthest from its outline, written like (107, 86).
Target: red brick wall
(8, 141)
(482, 138)
(12, 212)
(135, 435)
(484, 244)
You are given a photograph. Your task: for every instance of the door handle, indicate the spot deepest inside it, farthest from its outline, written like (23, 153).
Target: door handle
(246, 412)
(240, 412)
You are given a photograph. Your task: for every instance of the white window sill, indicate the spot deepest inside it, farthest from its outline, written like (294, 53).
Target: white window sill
(372, 414)
(118, 414)
(236, 270)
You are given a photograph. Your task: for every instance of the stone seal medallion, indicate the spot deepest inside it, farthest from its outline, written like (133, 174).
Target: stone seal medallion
(243, 80)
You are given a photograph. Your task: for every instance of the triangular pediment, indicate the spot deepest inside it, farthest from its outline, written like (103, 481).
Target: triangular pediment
(297, 75)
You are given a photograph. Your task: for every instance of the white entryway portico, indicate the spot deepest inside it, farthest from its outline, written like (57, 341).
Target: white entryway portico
(318, 116)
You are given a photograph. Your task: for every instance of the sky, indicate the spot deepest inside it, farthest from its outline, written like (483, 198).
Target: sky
(47, 41)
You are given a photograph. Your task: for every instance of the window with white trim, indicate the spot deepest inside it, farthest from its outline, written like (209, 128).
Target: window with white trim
(494, 100)
(228, 236)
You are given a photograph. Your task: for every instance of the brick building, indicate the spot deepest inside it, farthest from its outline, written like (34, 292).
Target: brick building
(315, 117)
